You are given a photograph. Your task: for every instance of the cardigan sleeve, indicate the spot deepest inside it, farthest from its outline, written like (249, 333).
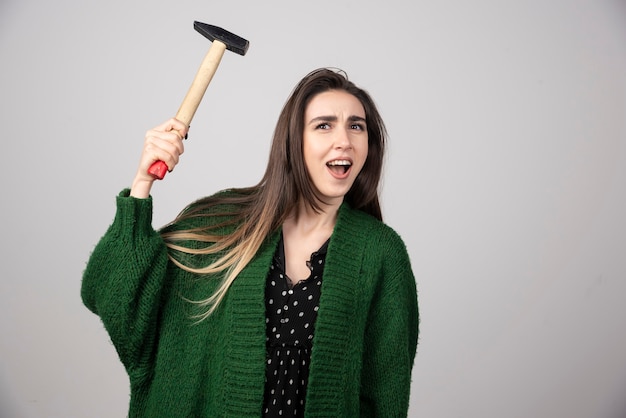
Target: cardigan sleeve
(391, 335)
(124, 279)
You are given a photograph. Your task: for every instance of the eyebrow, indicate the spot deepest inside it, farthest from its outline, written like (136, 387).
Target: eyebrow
(353, 118)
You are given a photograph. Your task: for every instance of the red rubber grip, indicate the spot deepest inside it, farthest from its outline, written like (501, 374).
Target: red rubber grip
(158, 169)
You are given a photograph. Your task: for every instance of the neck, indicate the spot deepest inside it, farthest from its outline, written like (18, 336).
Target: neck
(304, 232)
(306, 218)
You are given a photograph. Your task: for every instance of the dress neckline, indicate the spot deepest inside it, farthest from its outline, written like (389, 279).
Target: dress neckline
(316, 255)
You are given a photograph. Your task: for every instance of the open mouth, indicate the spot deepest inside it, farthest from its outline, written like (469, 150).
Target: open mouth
(339, 167)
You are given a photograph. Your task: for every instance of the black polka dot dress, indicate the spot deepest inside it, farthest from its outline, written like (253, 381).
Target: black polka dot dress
(290, 321)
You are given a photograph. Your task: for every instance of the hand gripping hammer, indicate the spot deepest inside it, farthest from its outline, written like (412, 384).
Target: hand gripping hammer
(222, 40)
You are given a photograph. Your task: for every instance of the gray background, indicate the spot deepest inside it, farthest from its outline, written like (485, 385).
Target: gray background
(505, 176)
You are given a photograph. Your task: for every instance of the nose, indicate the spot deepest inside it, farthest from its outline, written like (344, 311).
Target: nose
(342, 139)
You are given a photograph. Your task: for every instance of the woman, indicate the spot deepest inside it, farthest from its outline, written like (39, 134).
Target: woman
(288, 298)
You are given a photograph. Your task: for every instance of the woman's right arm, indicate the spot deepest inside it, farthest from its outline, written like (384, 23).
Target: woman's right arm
(124, 279)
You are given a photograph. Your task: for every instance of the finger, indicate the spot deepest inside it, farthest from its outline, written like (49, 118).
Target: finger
(163, 151)
(160, 138)
(173, 125)
(164, 146)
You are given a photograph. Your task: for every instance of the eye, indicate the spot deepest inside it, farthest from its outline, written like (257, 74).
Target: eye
(324, 125)
(357, 126)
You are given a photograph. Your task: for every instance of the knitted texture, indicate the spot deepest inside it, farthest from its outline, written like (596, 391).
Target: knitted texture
(365, 335)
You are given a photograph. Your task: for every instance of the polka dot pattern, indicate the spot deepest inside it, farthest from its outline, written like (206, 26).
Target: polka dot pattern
(291, 312)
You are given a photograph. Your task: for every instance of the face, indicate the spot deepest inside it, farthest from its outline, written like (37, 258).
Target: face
(335, 143)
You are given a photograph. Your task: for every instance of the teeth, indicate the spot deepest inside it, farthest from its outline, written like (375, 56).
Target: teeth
(339, 162)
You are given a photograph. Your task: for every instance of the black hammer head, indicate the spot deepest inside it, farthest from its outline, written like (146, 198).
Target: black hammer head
(232, 41)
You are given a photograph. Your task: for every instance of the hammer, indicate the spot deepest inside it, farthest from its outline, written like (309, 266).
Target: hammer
(222, 40)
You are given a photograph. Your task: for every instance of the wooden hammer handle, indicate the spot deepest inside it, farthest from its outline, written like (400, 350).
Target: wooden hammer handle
(192, 100)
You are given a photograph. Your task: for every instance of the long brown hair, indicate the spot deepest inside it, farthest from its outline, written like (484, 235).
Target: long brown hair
(249, 215)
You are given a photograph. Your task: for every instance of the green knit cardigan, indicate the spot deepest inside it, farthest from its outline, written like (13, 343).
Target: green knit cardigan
(365, 335)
